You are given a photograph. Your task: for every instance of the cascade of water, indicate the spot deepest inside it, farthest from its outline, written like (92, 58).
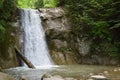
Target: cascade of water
(33, 39)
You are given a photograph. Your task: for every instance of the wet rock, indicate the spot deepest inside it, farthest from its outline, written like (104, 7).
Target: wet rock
(70, 78)
(90, 74)
(118, 69)
(46, 76)
(56, 77)
(50, 77)
(115, 70)
(23, 78)
(106, 72)
(4, 76)
(98, 77)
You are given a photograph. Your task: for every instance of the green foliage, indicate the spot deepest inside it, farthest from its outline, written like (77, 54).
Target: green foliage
(1, 3)
(29, 3)
(64, 49)
(98, 20)
(2, 31)
(7, 9)
(50, 3)
(106, 49)
(100, 29)
(37, 3)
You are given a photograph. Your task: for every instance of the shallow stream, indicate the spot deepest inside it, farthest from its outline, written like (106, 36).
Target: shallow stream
(80, 72)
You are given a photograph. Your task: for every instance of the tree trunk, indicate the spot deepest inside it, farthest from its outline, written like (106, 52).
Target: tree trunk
(29, 64)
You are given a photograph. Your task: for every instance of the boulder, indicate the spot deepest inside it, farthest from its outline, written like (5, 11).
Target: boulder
(23, 78)
(54, 19)
(4, 76)
(50, 77)
(98, 77)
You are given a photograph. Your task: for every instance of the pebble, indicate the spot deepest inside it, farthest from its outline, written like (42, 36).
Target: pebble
(70, 79)
(98, 77)
(119, 69)
(115, 70)
(106, 72)
(90, 74)
(89, 79)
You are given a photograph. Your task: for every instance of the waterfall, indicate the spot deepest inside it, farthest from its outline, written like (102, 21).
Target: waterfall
(33, 41)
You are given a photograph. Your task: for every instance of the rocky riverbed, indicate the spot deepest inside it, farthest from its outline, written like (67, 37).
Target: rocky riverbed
(69, 72)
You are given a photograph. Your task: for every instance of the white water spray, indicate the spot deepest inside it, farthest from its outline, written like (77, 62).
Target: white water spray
(33, 38)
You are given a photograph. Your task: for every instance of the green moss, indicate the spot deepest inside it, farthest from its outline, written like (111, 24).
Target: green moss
(9, 40)
(2, 31)
(64, 49)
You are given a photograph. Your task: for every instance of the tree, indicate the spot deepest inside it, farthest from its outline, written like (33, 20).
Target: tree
(7, 9)
(98, 20)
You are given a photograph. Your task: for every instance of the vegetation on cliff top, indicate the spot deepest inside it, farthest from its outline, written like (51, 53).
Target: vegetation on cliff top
(98, 20)
(37, 3)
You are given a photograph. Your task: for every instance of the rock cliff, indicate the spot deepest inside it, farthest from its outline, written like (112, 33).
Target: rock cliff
(65, 48)
(8, 56)
(58, 29)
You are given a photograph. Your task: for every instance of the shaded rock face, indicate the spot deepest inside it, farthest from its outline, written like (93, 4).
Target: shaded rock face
(55, 23)
(4, 76)
(65, 48)
(57, 28)
(7, 53)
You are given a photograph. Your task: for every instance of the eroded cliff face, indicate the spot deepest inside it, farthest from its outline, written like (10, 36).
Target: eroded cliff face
(65, 48)
(8, 13)
(8, 56)
(58, 30)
